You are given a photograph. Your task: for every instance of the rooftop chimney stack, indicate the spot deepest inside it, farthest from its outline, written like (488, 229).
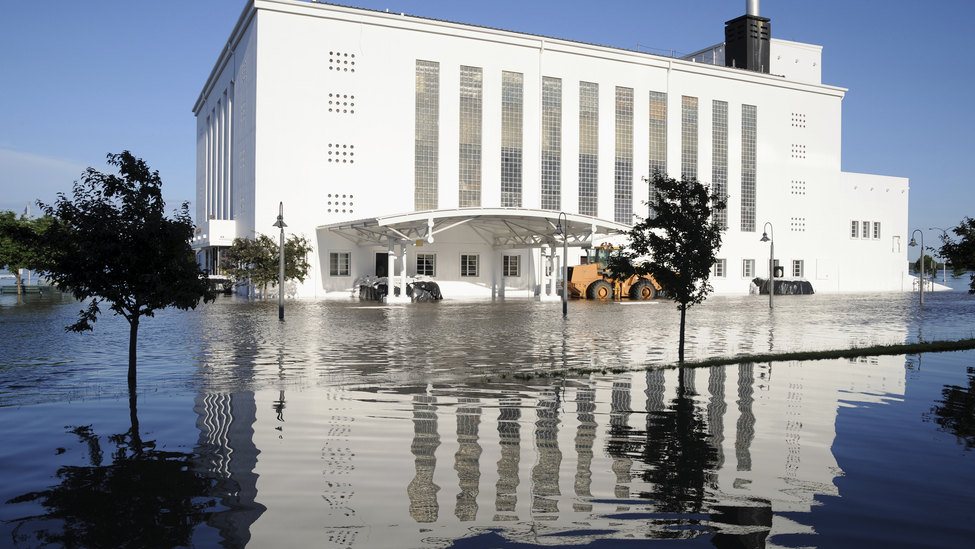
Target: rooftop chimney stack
(747, 40)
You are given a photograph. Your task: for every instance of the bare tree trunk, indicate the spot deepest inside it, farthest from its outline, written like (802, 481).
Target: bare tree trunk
(680, 349)
(133, 337)
(20, 283)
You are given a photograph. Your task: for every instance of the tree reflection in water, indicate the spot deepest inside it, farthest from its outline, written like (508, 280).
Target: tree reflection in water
(145, 498)
(955, 414)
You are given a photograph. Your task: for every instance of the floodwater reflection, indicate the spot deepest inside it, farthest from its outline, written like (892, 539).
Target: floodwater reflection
(461, 424)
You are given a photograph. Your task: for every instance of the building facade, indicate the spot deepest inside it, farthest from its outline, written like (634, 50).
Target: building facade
(399, 144)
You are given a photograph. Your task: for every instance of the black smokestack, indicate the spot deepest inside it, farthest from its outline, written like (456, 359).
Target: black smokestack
(747, 40)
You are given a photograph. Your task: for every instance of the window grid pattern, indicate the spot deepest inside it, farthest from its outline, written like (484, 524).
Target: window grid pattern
(720, 268)
(876, 229)
(623, 194)
(866, 229)
(512, 101)
(510, 266)
(719, 158)
(658, 140)
(588, 148)
(854, 229)
(797, 268)
(551, 143)
(747, 268)
(749, 157)
(426, 264)
(338, 263)
(688, 137)
(426, 150)
(468, 265)
(471, 102)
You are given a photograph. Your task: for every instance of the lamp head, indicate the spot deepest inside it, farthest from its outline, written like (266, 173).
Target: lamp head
(764, 237)
(558, 228)
(913, 242)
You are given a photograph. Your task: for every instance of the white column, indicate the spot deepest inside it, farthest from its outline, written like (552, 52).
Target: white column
(390, 269)
(402, 270)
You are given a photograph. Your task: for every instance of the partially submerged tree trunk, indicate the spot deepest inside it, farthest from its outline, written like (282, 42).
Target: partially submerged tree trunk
(20, 283)
(680, 348)
(133, 337)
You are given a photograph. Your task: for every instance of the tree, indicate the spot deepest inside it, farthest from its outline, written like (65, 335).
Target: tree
(257, 261)
(961, 254)
(677, 245)
(16, 234)
(930, 266)
(112, 243)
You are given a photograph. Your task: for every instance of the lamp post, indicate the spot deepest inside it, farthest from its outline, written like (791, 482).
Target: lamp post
(771, 260)
(912, 244)
(944, 264)
(280, 223)
(565, 260)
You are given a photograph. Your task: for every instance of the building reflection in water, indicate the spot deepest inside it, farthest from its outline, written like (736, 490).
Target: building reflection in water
(467, 459)
(509, 438)
(545, 473)
(585, 438)
(226, 453)
(426, 440)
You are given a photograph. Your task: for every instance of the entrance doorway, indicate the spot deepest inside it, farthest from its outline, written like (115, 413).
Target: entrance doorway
(382, 264)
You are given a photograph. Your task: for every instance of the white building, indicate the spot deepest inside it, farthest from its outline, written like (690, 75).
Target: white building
(452, 149)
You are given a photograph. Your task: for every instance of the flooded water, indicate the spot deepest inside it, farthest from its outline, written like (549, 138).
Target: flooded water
(466, 424)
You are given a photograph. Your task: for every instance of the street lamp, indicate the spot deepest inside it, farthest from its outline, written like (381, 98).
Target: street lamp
(565, 260)
(280, 223)
(771, 260)
(912, 244)
(944, 264)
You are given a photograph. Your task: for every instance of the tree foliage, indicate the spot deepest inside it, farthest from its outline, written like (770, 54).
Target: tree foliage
(256, 261)
(677, 245)
(16, 237)
(112, 243)
(960, 254)
(930, 265)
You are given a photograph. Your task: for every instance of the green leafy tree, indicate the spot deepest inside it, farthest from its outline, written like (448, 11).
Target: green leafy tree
(112, 243)
(930, 265)
(256, 261)
(677, 245)
(16, 237)
(960, 254)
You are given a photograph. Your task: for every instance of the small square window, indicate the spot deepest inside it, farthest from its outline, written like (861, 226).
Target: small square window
(468, 265)
(747, 268)
(338, 263)
(510, 266)
(426, 264)
(720, 269)
(797, 268)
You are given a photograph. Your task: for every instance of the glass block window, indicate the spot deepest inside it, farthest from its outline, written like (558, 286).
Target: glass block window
(658, 140)
(468, 265)
(747, 268)
(510, 265)
(719, 157)
(471, 98)
(720, 269)
(688, 137)
(426, 264)
(865, 228)
(749, 158)
(588, 148)
(551, 143)
(797, 268)
(338, 263)
(512, 101)
(426, 149)
(854, 229)
(623, 192)
(876, 230)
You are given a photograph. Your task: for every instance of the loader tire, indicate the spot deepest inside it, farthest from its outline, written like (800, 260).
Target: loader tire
(642, 289)
(600, 290)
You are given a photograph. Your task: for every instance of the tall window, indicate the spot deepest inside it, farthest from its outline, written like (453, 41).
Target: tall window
(747, 268)
(688, 137)
(865, 227)
(623, 194)
(426, 264)
(426, 149)
(469, 179)
(588, 148)
(876, 230)
(512, 99)
(719, 158)
(797, 268)
(468, 265)
(658, 140)
(749, 157)
(338, 263)
(510, 266)
(551, 143)
(854, 229)
(720, 269)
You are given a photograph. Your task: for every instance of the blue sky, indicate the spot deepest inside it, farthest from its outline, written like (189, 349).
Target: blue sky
(79, 80)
